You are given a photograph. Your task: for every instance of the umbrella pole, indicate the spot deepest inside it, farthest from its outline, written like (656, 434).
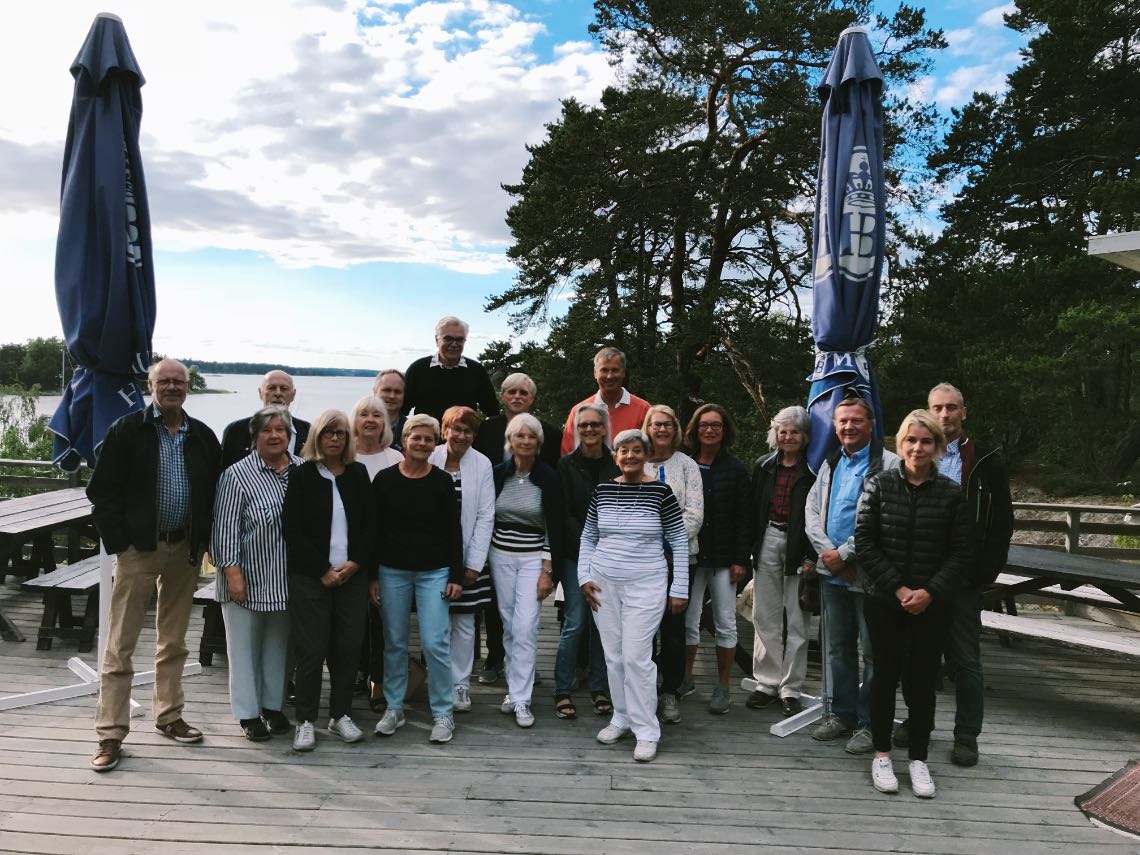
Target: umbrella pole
(822, 706)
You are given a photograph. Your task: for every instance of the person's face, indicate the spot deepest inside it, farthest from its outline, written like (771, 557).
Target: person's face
(277, 389)
(524, 444)
(790, 440)
(458, 438)
(591, 430)
(369, 423)
(710, 429)
(917, 449)
(332, 440)
(272, 439)
(661, 431)
(450, 342)
(390, 390)
(949, 410)
(518, 400)
(852, 427)
(168, 387)
(419, 444)
(630, 459)
(610, 374)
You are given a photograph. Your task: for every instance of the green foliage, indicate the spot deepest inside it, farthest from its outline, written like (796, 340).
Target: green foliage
(37, 362)
(23, 434)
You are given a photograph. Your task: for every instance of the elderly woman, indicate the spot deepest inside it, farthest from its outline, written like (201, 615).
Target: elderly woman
(668, 465)
(419, 547)
(912, 536)
(475, 492)
(526, 544)
(580, 472)
(780, 486)
(248, 548)
(625, 579)
(722, 544)
(329, 515)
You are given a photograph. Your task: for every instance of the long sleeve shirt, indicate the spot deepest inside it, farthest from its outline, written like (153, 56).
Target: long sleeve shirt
(683, 476)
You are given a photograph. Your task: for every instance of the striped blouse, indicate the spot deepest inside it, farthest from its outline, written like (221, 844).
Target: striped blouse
(520, 523)
(248, 532)
(624, 531)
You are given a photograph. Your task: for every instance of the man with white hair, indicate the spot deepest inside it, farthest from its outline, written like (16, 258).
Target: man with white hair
(276, 389)
(447, 378)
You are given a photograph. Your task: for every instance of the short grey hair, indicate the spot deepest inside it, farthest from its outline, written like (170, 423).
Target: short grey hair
(608, 353)
(152, 372)
(267, 414)
(947, 387)
(447, 321)
(796, 417)
(602, 411)
(632, 435)
(519, 423)
(371, 402)
(517, 379)
(420, 420)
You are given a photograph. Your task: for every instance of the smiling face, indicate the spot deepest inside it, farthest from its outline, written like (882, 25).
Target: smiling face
(277, 389)
(853, 427)
(591, 430)
(524, 444)
(662, 432)
(630, 459)
(458, 437)
(168, 386)
(790, 441)
(390, 390)
(950, 411)
(610, 374)
(419, 443)
(272, 440)
(369, 424)
(710, 429)
(917, 449)
(518, 399)
(450, 341)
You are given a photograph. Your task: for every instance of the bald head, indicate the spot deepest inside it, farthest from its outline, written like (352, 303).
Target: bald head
(277, 389)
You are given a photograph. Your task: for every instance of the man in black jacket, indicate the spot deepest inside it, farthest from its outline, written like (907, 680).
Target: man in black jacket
(276, 390)
(152, 496)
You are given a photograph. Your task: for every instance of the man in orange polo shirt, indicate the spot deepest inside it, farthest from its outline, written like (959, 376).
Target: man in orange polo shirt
(627, 411)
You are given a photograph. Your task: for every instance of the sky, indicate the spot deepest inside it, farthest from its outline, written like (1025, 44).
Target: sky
(324, 175)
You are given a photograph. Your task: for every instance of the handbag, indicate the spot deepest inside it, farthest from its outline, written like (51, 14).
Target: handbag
(809, 593)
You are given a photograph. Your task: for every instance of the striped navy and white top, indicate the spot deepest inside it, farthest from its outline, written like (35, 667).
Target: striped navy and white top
(248, 532)
(625, 531)
(478, 593)
(520, 524)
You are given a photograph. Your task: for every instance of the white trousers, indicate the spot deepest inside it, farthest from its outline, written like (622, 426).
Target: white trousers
(779, 666)
(627, 619)
(516, 587)
(462, 648)
(256, 647)
(718, 580)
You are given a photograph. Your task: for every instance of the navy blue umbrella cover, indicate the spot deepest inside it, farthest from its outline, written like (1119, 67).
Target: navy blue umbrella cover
(104, 276)
(850, 233)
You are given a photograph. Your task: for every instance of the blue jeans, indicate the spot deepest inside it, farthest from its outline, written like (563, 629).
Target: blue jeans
(396, 590)
(966, 653)
(846, 631)
(576, 618)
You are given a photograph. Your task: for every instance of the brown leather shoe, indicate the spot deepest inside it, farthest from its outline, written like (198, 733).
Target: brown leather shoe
(107, 757)
(179, 731)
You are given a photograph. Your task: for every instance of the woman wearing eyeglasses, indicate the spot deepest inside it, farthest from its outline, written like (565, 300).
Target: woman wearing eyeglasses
(329, 516)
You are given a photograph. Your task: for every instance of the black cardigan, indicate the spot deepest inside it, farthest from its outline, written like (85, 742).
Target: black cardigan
(547, 481)
(308, 518)
(799, 548)
(577, 488)
(724, 537)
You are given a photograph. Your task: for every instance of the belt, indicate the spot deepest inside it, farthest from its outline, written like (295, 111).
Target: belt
(174, 535)
(779, 526)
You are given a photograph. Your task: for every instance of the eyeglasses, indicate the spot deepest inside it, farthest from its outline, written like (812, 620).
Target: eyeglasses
(168, 383)
(334, 433)
(710, 427)
(590, 425)
(454, 339)
(661, 425)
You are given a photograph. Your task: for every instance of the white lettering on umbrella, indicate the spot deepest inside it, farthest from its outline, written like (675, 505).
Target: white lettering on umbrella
(127, 393)
(857, 225)
(134, 250)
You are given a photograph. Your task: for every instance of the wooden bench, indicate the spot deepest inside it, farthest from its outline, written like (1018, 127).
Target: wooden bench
(1008, 585)
(58, 587)
(1045, 629)
(213, 627)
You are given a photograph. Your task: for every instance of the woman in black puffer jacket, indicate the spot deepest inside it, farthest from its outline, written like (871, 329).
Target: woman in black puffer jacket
(912, 539)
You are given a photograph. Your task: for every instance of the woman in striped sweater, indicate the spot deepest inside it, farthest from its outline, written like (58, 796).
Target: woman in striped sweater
(624, 577)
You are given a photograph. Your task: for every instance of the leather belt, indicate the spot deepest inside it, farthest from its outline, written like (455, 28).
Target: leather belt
(779, 526)
(173, 536)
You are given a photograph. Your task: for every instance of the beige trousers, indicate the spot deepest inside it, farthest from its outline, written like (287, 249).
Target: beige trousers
(137, 574)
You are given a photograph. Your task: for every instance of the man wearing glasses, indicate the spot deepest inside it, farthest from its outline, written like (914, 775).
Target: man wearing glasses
(447, 378)
(152, 497)
(276, 390)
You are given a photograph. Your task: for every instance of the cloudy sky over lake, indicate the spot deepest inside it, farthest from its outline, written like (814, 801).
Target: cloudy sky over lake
(324, 177)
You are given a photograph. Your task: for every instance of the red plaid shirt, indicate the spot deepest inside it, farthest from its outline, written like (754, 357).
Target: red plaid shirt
(781, 505)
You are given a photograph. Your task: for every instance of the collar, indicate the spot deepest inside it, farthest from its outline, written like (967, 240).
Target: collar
(155, 416)
(953, 449)
(859, 456)
(624, 402)
(437, 363)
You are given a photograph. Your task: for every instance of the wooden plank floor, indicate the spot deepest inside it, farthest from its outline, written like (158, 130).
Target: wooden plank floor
(1058, 722)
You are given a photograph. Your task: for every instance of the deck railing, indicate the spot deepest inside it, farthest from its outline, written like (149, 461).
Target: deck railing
(13, 482)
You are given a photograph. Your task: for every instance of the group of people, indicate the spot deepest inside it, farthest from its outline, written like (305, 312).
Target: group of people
(326, 537)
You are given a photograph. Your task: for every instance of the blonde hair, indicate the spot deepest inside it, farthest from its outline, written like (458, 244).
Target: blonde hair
(372, 402)
(329, 418)
(667, 410)
(417, 421)
(925, 419)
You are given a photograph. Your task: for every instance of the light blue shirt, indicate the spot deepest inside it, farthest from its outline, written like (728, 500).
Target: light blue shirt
(846, 486)
(951, 463)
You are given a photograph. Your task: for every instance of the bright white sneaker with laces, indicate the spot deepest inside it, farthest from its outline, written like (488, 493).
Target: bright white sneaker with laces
(305, 737)
(921, 784)
(643, 752)
(883, 775)
(346, 729)
(443, 730)
(523, 716)
(611, 733)
(462, 702)
(507, 706)
(390, 722)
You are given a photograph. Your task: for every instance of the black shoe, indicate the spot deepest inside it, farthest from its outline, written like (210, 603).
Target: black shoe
(965, 751)
(759, 699)
(255, 729)
(791, 706)
(276, 721)
(901, 737)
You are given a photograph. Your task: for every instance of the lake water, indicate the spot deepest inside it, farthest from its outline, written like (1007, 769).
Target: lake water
(239, 398)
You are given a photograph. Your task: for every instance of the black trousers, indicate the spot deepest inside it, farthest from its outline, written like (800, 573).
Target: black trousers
(671, 642)
(493, 632)
(326, 625)
(905, 648)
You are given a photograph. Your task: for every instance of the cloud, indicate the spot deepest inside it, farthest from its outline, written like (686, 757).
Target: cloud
(961, 83)
(995, 17)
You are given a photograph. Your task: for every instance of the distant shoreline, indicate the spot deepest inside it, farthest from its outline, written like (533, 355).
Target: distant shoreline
(255, 368)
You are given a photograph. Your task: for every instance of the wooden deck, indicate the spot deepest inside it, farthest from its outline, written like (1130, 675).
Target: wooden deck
(1058, 722)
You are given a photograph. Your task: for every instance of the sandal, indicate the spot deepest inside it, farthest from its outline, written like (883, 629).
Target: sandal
(602, 703)
(564, 707)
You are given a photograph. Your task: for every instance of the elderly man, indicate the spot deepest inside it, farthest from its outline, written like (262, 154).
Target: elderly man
(982, 474)
(152, 494)
(518, 393)
(447, 378)
(627, 412)
(389, 388)
(829, 520)
(276, 389)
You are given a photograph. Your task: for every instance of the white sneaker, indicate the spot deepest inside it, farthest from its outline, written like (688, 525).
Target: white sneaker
(305, 737)
(611, 733)
(921, 784)
(391, 721)
(643, 752)
(883, 775)
(507, 706)
(442, 730)
(523, 716)
(462, 701)
(346, 729)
